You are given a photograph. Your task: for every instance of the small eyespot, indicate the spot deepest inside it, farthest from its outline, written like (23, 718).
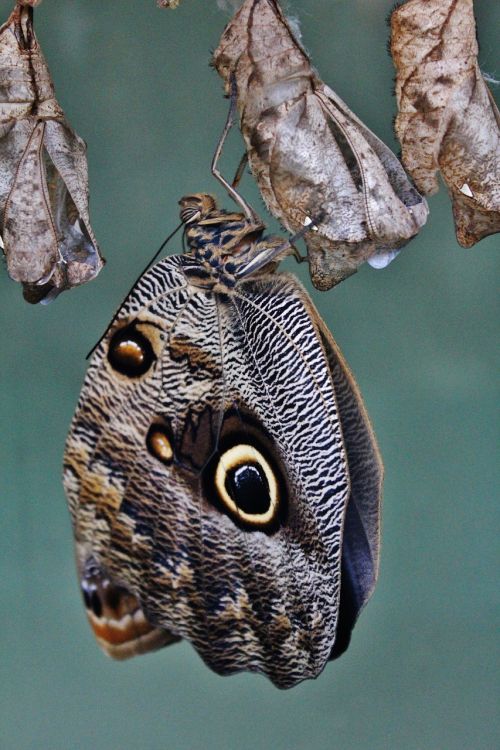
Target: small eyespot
(247, 487)
(130, 352)
(159, 444)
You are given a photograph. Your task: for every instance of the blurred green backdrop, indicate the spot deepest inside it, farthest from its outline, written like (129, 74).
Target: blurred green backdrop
(420, 673)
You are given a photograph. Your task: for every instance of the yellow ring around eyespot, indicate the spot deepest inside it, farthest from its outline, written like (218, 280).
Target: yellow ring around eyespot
(231, 459)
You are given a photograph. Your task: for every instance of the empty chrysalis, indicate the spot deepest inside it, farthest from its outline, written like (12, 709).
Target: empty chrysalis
(311, 156)
(447, 119)
(44, 217)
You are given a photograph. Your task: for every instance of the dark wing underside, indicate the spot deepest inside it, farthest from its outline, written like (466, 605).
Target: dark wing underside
(361, 542)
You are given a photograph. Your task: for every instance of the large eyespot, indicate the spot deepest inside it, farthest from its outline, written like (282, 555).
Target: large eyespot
(130, 352)
(159, 443)
(246, 487)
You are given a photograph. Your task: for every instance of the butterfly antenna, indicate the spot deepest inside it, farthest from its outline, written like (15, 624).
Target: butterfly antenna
(150, 263)
(237, 198)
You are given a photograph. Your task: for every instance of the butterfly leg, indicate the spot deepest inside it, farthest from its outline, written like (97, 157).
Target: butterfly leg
(247, 209)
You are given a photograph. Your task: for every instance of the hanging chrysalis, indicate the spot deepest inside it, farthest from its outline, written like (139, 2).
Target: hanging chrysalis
(447, 118)
(44, 215)
(313, 159)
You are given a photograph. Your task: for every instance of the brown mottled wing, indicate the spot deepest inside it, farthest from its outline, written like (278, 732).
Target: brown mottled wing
(239, 369)
(447, 119)
(115, 489)
(281, 601)
(108, 433)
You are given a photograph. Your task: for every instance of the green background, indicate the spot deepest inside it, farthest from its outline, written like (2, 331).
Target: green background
(420, 673)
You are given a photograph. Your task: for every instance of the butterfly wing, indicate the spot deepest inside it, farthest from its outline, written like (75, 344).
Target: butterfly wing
(361, 540)
(207, 473)
(289, 571)
(109, 477)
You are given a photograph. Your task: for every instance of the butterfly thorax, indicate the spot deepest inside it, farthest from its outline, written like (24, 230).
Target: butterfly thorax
(222, 244)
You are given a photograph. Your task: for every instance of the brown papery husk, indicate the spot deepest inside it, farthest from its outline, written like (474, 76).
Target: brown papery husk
(447, 119)
(311, 156)
(44, 217)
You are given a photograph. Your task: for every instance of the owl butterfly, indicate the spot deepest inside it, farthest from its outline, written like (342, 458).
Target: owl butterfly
(309, 153)
(44, 218)
(222, 475)
(447, 117)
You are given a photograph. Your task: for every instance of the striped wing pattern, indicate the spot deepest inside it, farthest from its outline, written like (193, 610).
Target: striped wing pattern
(251, 366)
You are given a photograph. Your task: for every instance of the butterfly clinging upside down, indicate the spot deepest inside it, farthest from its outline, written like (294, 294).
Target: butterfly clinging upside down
(223, 478)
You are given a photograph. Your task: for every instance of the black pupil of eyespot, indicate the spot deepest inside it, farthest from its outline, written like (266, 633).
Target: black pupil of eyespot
(248, 487)
(130, 352)
(92, 600)
(95, 604)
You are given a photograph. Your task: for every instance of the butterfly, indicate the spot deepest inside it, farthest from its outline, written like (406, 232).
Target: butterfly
(222, 475)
